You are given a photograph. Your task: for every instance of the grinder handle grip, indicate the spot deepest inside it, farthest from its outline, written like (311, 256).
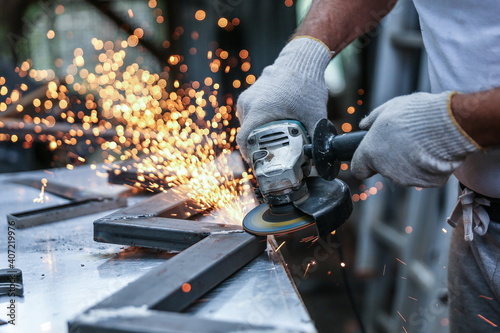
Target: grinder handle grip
(344, 145)
(328, 149)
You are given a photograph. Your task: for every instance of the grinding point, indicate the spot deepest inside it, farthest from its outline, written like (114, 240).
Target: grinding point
(262, 221)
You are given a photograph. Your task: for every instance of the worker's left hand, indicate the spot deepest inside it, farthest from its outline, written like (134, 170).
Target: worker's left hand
(413, 140)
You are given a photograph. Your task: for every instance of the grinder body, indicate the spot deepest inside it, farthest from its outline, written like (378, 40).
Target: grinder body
(282, 156)
(276, 152)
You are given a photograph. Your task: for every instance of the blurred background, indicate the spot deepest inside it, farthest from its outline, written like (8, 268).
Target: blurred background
(98, 81)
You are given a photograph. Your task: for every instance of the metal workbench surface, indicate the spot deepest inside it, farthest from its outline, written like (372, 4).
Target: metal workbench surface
(65, 272)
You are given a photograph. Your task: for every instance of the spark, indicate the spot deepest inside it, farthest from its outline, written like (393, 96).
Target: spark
(279, 247)
(486, 297)
(165, 132)
(342, 264)
(401, 316)
(42, 197)
(487, 320)
(311, 239)
(401, 261)
(444, 230)
(383, 272)
(346, 127)
(404, 329)
(186, 287)
(309, 264)
(413, 298)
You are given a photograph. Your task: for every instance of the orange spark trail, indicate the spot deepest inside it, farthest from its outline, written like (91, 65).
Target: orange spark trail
(488, 321)
(401, 261)
(279, 247)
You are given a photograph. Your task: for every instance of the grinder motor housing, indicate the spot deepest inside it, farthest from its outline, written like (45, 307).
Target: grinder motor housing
(282, 155)
(276, 152)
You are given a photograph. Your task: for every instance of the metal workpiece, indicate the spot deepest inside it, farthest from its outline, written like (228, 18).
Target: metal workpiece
(174, 285)
(66, 273)
(82, 202)
(138, 320)
(153, 232)
(156, 222)
(211, 253)
(167, 204)
(11, 282)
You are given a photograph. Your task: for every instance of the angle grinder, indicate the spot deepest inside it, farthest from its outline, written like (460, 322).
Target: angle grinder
(283, 158)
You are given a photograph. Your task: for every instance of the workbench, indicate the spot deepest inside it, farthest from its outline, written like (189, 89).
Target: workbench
(65, 271)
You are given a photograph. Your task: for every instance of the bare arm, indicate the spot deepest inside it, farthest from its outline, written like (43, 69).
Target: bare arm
(479, 115)
(338, 22)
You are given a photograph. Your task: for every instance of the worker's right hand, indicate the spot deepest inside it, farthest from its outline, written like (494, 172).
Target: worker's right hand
(292, 88)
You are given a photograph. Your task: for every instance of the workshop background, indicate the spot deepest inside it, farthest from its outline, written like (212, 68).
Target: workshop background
(65, 66)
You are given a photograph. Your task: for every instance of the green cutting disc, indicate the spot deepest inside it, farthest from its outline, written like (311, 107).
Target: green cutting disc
(262, 221)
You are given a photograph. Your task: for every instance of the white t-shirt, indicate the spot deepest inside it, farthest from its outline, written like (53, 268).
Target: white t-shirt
(462, 39)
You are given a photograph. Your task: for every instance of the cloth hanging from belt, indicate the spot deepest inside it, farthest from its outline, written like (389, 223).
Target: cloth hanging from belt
(471, 207)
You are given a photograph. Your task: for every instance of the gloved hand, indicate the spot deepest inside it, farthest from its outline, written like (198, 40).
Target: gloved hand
(413, 140)
(292, 88)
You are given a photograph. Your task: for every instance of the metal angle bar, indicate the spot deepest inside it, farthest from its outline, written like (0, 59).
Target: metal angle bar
(82, 202)
(165, 204)
(174, 285)
(156, 232)
(61, 190)
(158, 222)
(152, 321)
(11, 282)
(69, 210)
(211, 252)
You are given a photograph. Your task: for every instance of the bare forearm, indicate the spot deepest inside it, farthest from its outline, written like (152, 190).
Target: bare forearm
(479, 115)
(338, 22)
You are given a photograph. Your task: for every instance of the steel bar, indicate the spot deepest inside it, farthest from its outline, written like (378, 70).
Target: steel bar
(69, 210)
(81, 203)
(211, 252)
(155, 232)
(172, 286)
(11, 282)
(165, 204)
(158, 222)
(152, 321)
(61, 190)
(177, 283)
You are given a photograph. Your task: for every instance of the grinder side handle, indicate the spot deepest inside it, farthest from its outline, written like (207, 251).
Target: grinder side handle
(344, 145)
(328, 149)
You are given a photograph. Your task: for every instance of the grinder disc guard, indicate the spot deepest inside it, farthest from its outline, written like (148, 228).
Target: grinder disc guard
(262, 221)
(329, 205)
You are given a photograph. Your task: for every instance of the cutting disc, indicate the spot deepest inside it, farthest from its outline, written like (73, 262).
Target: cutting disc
(262, 221)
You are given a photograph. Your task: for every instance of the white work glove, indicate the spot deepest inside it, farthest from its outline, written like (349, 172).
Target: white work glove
(292, 88)
(413, 140)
